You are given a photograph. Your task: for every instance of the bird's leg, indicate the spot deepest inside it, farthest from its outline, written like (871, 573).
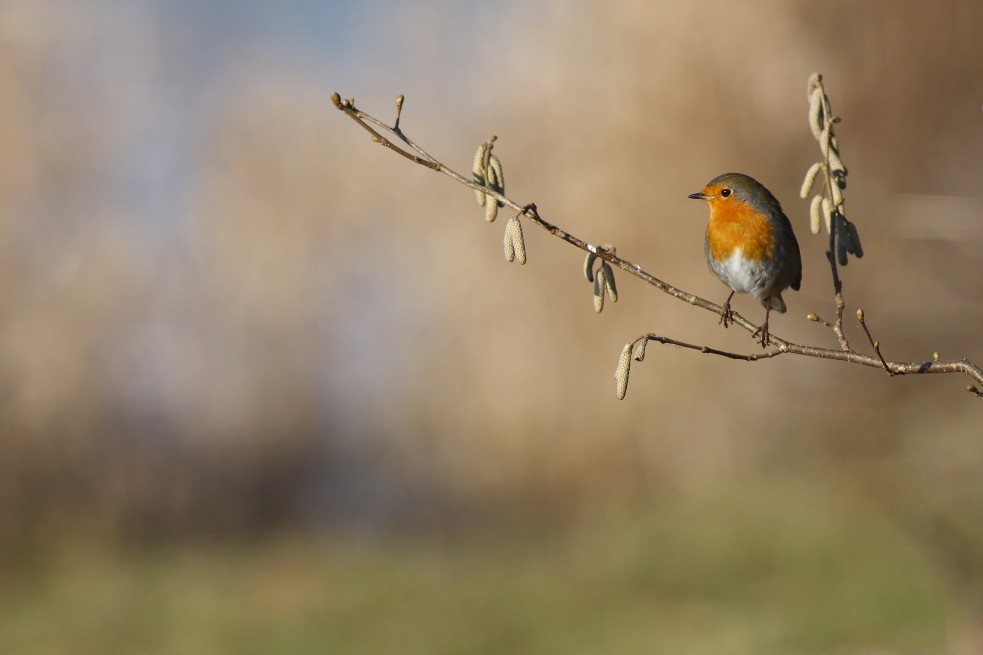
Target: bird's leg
(726, 315)
(763, 330)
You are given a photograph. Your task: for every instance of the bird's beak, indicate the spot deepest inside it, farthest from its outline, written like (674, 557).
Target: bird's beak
(698, 196)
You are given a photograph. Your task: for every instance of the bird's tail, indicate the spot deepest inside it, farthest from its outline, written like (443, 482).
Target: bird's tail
(776, 303)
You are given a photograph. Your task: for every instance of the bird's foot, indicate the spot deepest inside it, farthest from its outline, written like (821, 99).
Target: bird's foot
(726, 315)
(764, 334)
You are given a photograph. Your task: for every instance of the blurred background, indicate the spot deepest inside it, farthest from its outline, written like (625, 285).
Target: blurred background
(267, 387)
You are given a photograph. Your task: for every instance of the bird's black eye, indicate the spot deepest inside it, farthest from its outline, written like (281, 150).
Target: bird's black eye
(725, 192)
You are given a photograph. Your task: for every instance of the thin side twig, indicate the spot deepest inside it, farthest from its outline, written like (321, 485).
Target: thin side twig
(873, 344)
(752, 357)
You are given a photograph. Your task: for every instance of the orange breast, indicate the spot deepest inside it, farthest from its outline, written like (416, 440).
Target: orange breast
(737, 225)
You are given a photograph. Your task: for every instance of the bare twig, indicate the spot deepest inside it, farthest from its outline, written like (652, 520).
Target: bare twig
(876, 345)
(781, 346)
(707, 350)
(840, 306)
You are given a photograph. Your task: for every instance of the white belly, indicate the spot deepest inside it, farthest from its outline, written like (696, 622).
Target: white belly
(741, 274)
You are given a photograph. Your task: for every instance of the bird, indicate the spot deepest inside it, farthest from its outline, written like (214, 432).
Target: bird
(750, 244)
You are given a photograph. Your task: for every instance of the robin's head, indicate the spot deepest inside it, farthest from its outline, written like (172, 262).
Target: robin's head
(731, 190)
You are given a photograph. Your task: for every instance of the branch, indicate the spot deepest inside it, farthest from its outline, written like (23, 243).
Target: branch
(530, 210)
(492, 192)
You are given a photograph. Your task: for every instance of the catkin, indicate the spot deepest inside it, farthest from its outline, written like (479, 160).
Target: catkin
(589, 266)
(515, 245)
(621, 373)
(478, 170)
(816, 120)
(810, 180)
(816, 214)
(599, 285)
(609, 284)
(491, 205)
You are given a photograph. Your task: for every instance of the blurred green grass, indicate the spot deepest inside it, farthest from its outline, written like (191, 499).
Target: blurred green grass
(747, 572)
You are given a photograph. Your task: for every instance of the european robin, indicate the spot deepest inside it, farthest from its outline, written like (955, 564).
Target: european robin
(750, 244)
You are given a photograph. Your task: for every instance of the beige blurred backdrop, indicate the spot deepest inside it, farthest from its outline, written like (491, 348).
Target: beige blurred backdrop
(225, 312)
